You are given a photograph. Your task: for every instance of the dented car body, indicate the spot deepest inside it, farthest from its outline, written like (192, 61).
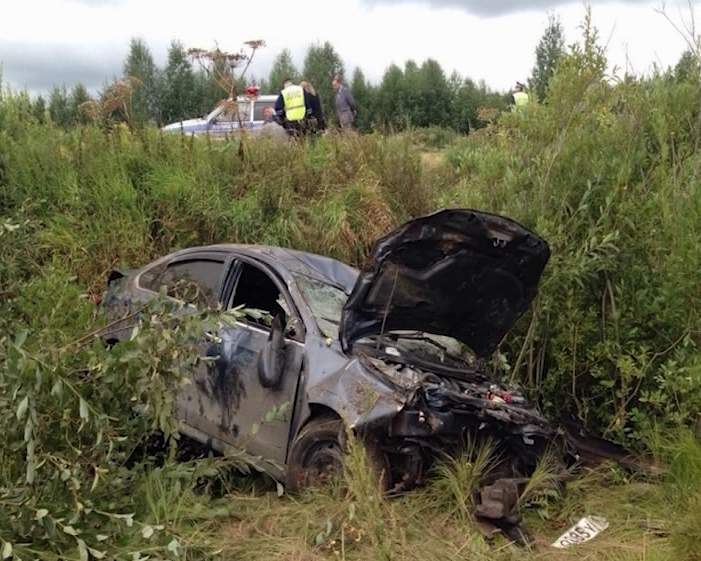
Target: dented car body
(395, 352)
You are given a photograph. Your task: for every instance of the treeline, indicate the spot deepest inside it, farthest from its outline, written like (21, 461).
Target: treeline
(415, 95)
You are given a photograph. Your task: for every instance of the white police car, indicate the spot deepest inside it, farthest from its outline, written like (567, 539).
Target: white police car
(228, 117)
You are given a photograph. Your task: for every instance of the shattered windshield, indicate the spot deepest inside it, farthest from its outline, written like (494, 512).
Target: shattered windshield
(325, 301)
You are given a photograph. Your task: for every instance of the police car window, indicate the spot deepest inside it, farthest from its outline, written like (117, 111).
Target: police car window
(258, 109)
(229, 114)
(195, 281)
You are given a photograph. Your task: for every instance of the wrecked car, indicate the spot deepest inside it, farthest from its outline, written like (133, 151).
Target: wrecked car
(395, 352)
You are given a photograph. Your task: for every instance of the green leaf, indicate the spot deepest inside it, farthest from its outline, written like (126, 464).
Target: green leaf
(96, 553)
(41, 513)
(31, 468)
(22, 407)
(7, 550)
(70, 530)
(28, 430)
(21, 338)
(84, 414)
(173, 546)
(57, 388)
(83, 550)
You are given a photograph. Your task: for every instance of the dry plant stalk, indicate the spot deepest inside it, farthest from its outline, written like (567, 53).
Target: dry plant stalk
(221, 66)
(116, 99)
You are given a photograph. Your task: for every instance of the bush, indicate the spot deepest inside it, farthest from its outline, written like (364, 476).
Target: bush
(608, 175)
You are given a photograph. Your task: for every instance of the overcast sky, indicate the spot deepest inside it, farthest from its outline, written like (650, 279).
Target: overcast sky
(45, 42)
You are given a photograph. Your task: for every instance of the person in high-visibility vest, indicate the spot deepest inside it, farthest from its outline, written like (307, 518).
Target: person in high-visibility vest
(292, 107)
(521, 98)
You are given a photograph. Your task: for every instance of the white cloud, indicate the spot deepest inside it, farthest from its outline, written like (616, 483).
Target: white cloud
(56, 41)
(497, 7)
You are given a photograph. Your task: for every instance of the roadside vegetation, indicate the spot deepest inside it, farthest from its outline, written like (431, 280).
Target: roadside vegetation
(605, 169)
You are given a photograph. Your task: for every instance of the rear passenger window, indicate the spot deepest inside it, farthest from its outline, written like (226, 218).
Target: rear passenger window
(195, 281)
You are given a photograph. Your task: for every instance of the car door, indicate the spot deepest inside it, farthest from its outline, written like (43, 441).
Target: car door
(233, 404)
(196, 278)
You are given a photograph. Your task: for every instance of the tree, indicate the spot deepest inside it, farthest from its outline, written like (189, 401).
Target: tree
(39, 109)
(364, 97)
(139, 64)
(687, 67)
(179, 98)
(548, 54)
(408, 93)
(471, 102)
(283, 68)
(388, 102)
(60, 107)
(434, 99)
(79, 95)
(321, 65)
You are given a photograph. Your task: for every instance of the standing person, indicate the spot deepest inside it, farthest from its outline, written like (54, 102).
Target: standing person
(346, 109)
(315, 114)
(521, 98)
(291, 108)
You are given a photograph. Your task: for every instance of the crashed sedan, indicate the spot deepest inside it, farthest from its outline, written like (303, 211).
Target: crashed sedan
(395, 353)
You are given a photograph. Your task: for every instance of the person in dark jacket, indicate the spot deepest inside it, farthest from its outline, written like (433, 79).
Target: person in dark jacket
(315, 114)
(346, 109)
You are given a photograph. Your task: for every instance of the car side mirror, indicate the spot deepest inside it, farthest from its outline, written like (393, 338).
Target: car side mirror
(271, 361)
(291, 328)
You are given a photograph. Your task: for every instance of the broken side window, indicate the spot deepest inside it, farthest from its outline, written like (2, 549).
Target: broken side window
(257, 292)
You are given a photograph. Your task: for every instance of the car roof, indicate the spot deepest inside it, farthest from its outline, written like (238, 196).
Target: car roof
(266, 97)
(319, 267)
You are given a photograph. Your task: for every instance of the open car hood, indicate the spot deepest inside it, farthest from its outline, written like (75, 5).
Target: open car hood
(459, 272)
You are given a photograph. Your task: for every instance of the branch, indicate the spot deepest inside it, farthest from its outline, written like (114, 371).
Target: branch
(690, 39)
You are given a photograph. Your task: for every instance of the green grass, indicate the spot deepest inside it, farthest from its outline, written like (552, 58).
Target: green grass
(351, 521)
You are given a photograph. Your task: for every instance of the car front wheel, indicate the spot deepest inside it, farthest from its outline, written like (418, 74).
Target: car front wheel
(317, 454)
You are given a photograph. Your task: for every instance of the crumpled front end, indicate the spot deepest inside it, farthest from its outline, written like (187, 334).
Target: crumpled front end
(417, 417)
(442, 415)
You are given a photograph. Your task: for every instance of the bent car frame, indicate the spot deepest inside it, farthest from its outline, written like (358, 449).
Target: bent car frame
(395, 353)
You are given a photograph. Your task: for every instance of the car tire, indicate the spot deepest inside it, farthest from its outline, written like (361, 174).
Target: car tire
(317, 453)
